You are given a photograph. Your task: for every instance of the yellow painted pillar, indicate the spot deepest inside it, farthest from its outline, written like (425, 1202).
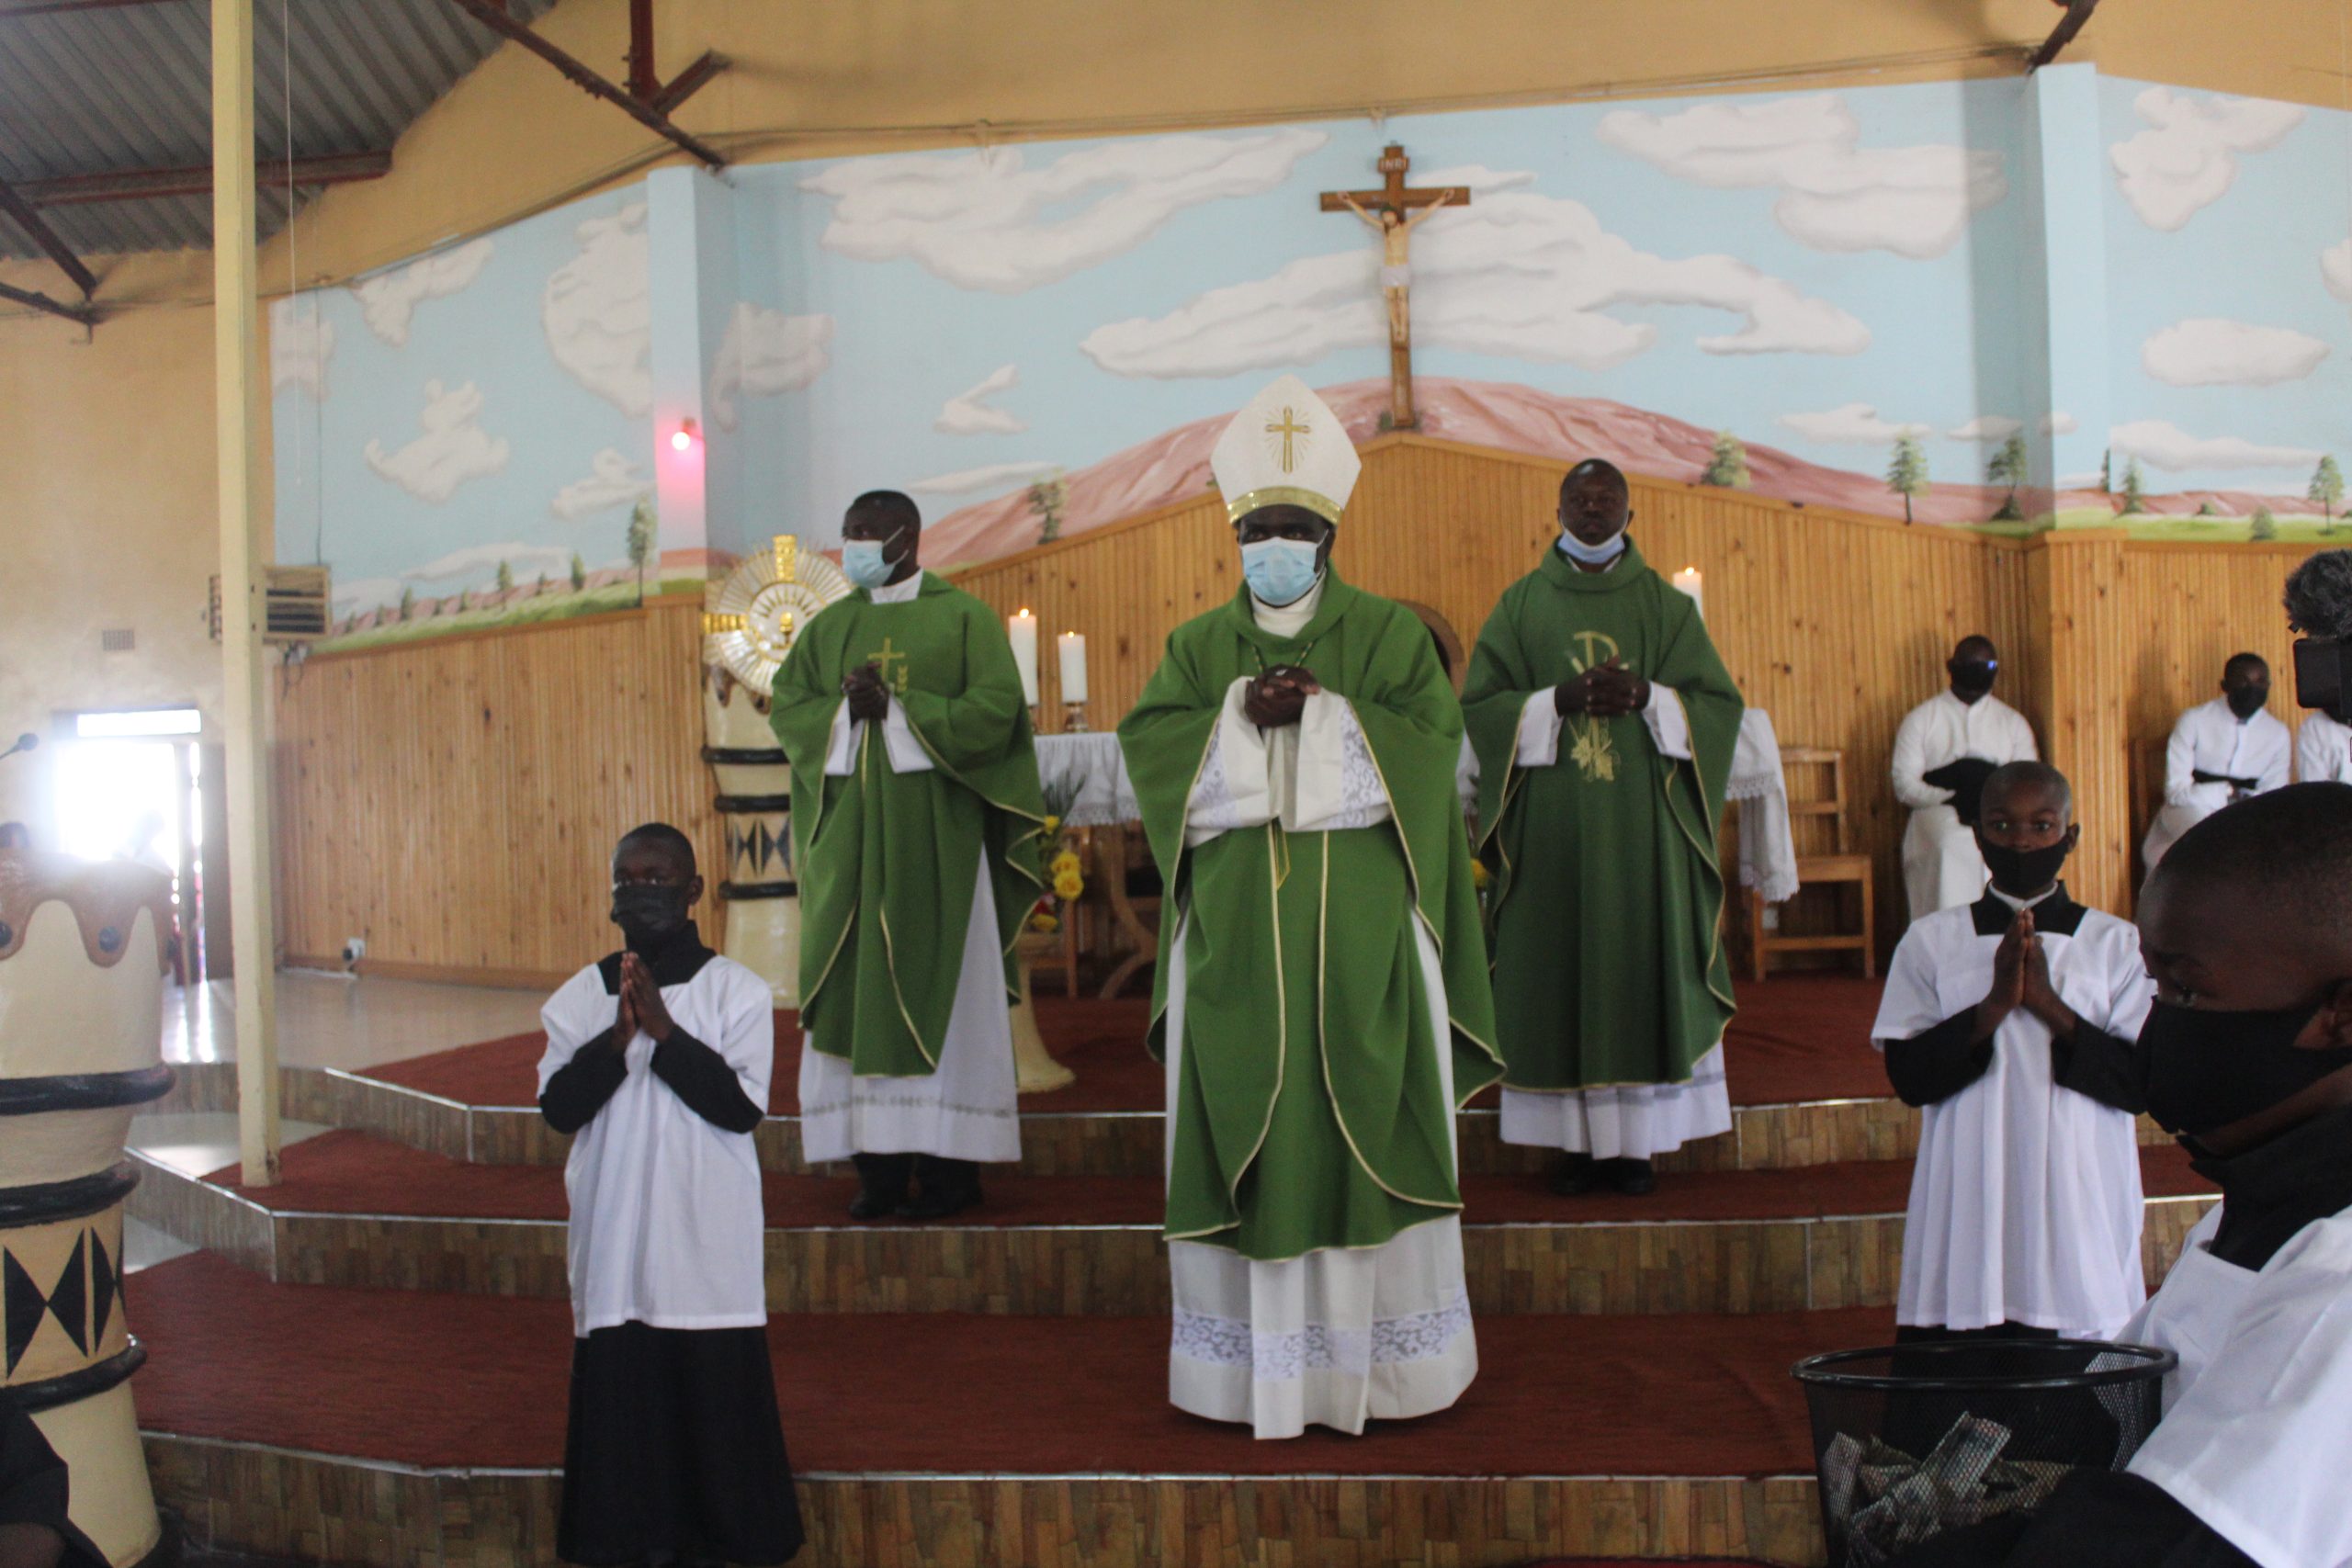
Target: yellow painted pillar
(235, 318)
(2081, 658)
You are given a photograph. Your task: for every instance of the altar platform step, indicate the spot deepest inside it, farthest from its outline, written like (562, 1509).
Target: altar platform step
(388, 1427)
(356, 1210)
(1806, 1088)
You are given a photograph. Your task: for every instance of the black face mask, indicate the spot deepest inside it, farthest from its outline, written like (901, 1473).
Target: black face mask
(648, 913)
(2021, 874)
(1973, 677)
(2247, 701)
(2209, 1069)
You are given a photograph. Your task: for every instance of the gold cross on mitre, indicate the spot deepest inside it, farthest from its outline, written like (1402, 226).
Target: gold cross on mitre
(1288, 427)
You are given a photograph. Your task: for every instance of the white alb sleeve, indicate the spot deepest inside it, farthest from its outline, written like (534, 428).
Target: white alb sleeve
(906, 755)
(1669, 727)
(1338, 783)
(1539, 730)
(841, 749)
(1234, 789)
(1911, 764)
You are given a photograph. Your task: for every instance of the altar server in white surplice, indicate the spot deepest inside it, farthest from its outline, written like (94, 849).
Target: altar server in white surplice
(2220, 751)
(2012, 1021)
(2322, 750)
(1947, 747)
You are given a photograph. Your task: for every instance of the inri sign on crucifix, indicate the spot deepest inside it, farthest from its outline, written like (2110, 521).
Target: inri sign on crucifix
(1390, 211)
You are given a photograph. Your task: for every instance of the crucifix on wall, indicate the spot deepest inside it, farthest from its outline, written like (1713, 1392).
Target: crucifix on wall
(1393, 212)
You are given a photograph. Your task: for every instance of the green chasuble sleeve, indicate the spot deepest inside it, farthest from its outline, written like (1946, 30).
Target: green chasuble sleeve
(1310, 1106)
(886, 861)
(1607, 905)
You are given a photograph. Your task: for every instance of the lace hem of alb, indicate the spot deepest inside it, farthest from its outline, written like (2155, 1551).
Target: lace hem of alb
(1318, 1347)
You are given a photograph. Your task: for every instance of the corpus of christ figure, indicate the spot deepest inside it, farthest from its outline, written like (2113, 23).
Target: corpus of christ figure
(1391, 213)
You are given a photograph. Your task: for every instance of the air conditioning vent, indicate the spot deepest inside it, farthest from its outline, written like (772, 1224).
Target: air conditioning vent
(298, 607)
(118, 639)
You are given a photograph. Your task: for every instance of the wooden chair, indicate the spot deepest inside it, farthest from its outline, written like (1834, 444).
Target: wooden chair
(1839, 867)
(1123, 865)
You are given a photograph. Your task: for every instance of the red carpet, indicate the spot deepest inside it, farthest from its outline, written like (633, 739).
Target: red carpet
(1797, 1038)
(343, 1172)
(431, 1380)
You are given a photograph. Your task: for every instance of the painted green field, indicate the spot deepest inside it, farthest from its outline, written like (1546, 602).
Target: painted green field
(543, 607)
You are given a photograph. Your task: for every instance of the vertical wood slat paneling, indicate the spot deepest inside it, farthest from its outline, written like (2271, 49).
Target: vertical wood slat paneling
(455, 801)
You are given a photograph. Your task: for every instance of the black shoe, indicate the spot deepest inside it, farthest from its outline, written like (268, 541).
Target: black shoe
(1574, 1175)
(881, 1185)
(1633, 1178)
(949, 1187)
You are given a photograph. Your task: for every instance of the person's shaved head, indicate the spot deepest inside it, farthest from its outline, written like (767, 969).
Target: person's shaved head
(886, 510)
(2024, 786)
(1975, 647)
(2246, 666)
(1594, 470)
(657, 839)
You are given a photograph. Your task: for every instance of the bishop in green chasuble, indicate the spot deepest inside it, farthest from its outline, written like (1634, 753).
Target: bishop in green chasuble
(915, 833)
(1321, 1001)
(1604, 723)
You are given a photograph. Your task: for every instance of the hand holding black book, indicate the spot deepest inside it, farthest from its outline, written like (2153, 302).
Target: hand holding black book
(1966, 778)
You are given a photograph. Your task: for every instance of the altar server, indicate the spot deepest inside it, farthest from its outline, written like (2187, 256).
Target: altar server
(2011, 1021)
(916, 818)
(2220, 751)
(1945, 749)
(657, 1065)
(1321, 1001)
(2323, 748)
(2247, 928)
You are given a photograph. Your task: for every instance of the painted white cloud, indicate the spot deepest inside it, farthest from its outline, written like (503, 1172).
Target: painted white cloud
(453, 449)
(611, 481)
(1986, 427)
(2059, 422)
(764, 352)
(597, 315)
(2188, 155)
(354, 595)
(388, 302)
(301, 346)
(2336, 270)
(2209, 351)
(995, 477)
(967, 414)
(987, 219)
(1850, 425)
(2167, 445)
(527, 561)
(1520, 275)
(1835, 194)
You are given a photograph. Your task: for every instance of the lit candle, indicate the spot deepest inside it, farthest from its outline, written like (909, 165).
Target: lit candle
(1073, 648)
(1021, 631)
(1688, 581)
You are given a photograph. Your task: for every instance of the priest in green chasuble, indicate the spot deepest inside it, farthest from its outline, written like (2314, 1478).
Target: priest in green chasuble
(1604, 723)
(916, 822)
(1321, 1002)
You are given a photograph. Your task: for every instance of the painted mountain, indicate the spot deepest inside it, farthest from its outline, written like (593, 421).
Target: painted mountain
(1175, 465)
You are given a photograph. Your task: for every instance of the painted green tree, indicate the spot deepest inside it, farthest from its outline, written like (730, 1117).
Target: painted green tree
(2327, 488)
(2263, 526)
(640, 542)
(1906, 473)
(578, 573)
(408, 602)
(505, 579)
(2134, 487)
(2010, 465)
(1049, 498)
(1727, 465)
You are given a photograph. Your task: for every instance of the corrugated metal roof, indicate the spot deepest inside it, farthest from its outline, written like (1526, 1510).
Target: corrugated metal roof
(129, 88)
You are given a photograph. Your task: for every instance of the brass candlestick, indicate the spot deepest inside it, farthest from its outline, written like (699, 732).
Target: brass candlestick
(1073, 718)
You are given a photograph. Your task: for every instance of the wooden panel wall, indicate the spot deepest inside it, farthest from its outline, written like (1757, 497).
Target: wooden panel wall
(455, 801)
(1836, 624)
(2081, 638)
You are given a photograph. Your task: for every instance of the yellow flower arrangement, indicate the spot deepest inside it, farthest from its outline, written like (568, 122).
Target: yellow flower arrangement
(1044, 923)
(1479, 874)
(1067, 865)
(1068, 885)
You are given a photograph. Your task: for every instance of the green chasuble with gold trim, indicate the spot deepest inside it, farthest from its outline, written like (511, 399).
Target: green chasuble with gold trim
(886, 861)
(1310, 1113)
(1607, 905)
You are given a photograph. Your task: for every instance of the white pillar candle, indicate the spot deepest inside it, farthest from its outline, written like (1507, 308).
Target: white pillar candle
(1688, 581)
(1020, 630)
(1073, 648)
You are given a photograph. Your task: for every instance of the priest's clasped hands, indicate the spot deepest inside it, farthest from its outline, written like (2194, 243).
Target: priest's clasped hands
(868, 699)
(1605, 691)
(1278, 696)
(2021, 980)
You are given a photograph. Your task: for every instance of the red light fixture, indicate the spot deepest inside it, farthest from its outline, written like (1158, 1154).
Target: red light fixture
(683, 439)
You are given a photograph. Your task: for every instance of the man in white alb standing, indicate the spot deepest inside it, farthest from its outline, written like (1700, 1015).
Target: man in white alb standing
(1946, 748)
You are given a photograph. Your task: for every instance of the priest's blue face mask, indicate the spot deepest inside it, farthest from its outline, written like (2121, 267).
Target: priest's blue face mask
(1281, 572)
(867, 562)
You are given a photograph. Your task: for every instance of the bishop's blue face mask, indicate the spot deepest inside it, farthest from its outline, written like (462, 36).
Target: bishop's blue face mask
(1576, 550)
(863, 563)
(1280, 571)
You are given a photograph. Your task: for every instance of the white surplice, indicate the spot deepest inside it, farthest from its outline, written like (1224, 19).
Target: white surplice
(1621, 1120)
(2258, 1415)
(2210, 738)
(2026, 1204)
(2322, 750)
(966, 1108)
(1942, 866)
(1338, 1335)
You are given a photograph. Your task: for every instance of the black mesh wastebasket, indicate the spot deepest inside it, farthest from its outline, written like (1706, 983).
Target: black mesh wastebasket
(1913, 1440)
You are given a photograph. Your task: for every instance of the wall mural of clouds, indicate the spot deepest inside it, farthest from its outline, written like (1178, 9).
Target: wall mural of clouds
(301, 346)
(2336, 270)
(764, 354)
(453, 448)
(2188, 157)
(1853, 424)
(596, 312)
(2209, 351)
(968, 413)
(2163, 444)
(388, 302)
(612, 480)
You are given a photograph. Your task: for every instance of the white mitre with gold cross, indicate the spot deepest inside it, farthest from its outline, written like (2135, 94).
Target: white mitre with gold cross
(1285, 448)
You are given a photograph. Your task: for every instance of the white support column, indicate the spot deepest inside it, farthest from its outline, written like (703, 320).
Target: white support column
(245, 678)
